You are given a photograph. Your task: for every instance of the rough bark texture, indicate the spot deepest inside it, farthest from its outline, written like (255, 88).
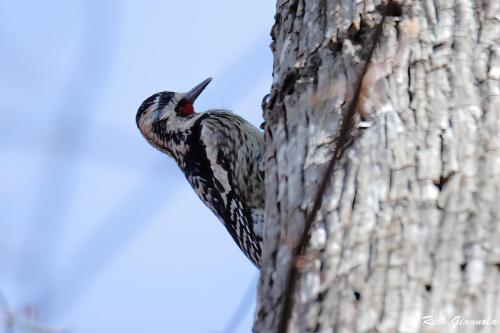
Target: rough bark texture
(409, 224)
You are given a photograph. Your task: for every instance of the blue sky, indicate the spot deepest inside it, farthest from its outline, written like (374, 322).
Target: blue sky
(98, 229)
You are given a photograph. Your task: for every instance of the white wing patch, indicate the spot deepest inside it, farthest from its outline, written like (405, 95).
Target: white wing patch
(213, 144)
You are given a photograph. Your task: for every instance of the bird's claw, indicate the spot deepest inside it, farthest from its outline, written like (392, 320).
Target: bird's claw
(263, 105)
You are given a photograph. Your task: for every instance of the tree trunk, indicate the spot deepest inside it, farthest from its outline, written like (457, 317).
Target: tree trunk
(407, 235)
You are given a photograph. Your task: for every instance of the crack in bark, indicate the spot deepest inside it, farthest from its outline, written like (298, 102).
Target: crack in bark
(342, 137)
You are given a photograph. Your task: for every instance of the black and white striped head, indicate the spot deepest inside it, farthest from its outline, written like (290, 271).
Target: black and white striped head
(164, 117)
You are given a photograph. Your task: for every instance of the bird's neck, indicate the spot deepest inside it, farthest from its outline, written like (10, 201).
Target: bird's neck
(176, 135)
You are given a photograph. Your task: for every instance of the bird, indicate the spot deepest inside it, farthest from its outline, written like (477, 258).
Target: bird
(220, 154)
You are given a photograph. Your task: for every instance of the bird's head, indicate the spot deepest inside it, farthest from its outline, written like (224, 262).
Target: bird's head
(164, 117)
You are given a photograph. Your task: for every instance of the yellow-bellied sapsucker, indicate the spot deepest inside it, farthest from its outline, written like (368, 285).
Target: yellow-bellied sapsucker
(219, 153)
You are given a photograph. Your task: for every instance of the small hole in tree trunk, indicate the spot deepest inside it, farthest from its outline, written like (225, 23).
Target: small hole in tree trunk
(357, 31)
(463, 267)
(289, 82)
(320, 297)
(335, 46)
(390, 8)
(428, 287)
(357, 295)
(441, 182)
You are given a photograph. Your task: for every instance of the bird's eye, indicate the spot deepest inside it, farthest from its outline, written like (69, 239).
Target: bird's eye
(165, 98)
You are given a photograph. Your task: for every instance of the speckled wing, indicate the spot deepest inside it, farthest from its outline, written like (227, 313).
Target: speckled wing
(233, 148)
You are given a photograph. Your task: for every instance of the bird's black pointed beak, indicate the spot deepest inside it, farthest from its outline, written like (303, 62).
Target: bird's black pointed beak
(193, 94)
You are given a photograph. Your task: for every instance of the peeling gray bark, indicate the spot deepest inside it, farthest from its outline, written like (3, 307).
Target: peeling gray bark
(409, 224)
